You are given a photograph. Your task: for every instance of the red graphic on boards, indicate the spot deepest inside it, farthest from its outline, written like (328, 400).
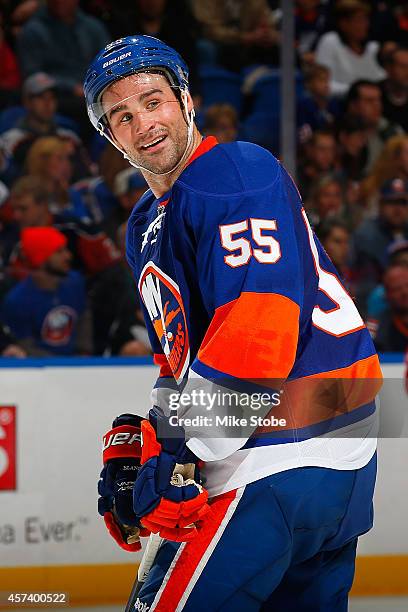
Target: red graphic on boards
(7, 448)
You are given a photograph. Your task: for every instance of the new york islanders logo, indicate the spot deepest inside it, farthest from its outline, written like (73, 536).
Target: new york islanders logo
(58, 325)
(162, 298)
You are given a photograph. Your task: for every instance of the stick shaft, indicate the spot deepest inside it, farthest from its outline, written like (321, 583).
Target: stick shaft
(146, 563)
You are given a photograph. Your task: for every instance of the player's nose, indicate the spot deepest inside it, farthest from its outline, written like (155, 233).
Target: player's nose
(144, 123)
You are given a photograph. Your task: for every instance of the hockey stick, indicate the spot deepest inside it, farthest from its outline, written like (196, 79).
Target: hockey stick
(146, 563)
(152, 547)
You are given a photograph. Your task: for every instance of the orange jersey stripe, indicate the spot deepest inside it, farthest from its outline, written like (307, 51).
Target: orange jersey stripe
(161, 361)
(206, 145)
(363, 368)
(320, 397)
(254, 336)
(183, 570)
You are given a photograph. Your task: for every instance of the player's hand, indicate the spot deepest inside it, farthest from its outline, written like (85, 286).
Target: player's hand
(168, 496)
(121, 457)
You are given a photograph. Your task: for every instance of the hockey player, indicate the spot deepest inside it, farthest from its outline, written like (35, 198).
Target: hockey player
(237, 294)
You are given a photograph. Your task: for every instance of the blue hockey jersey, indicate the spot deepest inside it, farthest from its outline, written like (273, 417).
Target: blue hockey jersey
(235, 286)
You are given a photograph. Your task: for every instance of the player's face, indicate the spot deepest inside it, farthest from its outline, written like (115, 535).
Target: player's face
(146, 120)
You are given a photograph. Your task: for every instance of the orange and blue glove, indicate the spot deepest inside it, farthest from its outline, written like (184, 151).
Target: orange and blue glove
(168, 496)
(121, 457)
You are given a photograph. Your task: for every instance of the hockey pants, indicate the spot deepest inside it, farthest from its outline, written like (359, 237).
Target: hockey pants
(286, 543)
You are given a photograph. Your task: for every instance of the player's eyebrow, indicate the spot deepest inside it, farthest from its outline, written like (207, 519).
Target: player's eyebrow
(149, 92)
(142, 96)
(117, 109)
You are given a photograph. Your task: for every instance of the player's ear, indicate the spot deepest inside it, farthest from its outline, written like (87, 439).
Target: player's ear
(190, 103)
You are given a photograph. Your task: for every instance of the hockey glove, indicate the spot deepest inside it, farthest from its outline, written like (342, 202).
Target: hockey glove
(121, 458)
(168, 496)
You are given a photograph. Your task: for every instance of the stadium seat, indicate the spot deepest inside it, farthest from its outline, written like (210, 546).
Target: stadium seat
(262, 129)
(266, 92)
(220, 85)
(9, 117)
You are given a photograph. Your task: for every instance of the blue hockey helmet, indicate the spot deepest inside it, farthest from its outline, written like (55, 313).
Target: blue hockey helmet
(127, 56)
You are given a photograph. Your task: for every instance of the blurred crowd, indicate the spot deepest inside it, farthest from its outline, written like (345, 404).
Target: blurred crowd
(66, 193)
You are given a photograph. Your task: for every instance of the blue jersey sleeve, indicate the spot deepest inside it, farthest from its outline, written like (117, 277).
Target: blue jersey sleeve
(250, 277)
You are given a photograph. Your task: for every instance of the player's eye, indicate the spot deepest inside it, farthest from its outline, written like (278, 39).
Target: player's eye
(152, 105)
(125, 118)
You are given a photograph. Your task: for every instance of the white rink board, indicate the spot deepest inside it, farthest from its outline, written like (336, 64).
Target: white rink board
(62, 413)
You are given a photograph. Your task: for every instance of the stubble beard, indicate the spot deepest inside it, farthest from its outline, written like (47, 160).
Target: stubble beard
(167, 160)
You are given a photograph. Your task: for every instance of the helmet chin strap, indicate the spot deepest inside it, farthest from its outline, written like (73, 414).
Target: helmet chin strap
(190, 129)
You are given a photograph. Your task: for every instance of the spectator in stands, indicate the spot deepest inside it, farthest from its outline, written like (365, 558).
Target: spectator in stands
(310, 24)
(8, 344)
(29, 199)
(395, 88)
(373, 237)
(319, 159)
(352, 144)
(326, 200)
(244, 32)
(392, 162)
(93, 251)
(49, 158)
(401, 14)
(169, 20)
(334, 235)
(127, 336)
(5, 209)
(129, 186)
(316, 109)
(364, 101)
(9, 71)
(94, 254)
(387, 23)
(40, 119)
(98, 191)
(392, 332)
(346, 51)
(20, 11)
(376, 301)
(47, 311)
(221, 121)
(61, 40)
